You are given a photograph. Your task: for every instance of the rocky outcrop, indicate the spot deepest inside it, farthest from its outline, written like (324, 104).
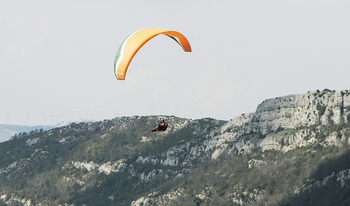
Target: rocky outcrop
(294, 111)
(155, 198)
(281, 123)
(338, 177)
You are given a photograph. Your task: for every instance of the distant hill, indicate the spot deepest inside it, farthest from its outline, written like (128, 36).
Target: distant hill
(293, 150)
(7, 131)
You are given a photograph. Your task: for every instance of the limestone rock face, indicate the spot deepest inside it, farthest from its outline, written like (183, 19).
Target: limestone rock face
(293, 111)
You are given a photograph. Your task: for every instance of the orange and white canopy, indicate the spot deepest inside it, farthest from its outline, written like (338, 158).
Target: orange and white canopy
(135, 41)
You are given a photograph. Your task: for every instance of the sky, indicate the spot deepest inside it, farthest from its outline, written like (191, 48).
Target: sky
(57, 57)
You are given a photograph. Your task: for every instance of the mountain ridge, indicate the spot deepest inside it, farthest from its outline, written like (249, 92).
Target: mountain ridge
(195, 162)
(7, 131)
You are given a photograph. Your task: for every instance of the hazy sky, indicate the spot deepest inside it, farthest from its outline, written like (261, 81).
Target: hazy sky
(57, 57)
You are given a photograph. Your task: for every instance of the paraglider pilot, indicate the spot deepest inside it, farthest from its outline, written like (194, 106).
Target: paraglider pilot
(161, 126)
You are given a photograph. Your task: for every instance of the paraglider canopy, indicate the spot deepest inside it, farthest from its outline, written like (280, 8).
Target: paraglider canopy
(135, 41)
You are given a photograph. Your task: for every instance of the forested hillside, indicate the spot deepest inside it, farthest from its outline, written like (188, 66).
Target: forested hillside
(292, 151)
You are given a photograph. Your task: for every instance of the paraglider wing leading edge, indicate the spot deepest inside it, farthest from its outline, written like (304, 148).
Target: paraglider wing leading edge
(135, 41)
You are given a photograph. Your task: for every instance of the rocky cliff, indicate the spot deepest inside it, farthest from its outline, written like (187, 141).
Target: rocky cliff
(284, 123)
(294, 111)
